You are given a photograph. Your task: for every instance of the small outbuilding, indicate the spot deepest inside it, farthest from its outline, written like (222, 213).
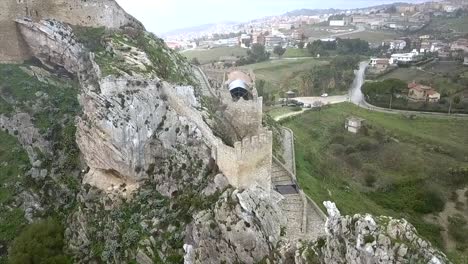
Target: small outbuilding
(353, 124)
(290, 94)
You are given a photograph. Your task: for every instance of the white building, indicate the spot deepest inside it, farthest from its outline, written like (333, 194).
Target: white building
(273, 41)
(404, 57)
(353, 124)
(397, 44)
(337, 23)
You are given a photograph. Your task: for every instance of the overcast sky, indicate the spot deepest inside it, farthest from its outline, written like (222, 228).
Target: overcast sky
(160, 16)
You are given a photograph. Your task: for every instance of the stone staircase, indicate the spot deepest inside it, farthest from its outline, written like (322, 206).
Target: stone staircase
(293, 208)
(305, 220)
(205, 85)
(279, 175)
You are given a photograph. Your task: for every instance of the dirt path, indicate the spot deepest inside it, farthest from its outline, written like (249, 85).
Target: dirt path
(450, 210)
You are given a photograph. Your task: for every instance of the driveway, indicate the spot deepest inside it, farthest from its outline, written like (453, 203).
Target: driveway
(335, 99)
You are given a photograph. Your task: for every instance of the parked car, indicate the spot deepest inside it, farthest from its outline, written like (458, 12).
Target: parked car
(324, 95)
(307, 105)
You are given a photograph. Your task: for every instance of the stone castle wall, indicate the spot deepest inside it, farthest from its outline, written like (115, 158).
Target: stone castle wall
(90, 13)
(245, 116)
(248, 164)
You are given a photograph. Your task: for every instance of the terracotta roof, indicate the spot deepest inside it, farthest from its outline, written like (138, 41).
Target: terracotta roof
(419, 87)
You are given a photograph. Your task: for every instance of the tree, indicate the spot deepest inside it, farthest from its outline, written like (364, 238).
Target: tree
(195, 61)
(456, 99)
(40, 242)
(300, 45)
(257, 53)
(278, 50)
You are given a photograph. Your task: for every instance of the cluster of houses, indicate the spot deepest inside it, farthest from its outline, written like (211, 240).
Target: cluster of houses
(425, 45)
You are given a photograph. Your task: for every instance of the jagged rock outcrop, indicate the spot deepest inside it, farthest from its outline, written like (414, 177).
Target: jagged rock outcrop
(242, 228)
(86, 13)
(52, 42)
(369, 239)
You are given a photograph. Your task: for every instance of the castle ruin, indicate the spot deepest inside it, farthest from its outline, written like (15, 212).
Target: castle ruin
(86, 13)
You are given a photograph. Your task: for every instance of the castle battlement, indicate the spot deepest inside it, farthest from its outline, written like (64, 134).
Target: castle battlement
(251, 145)
(248, 163)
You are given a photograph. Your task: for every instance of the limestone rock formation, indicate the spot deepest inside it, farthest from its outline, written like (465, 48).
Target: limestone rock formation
(241, 228)
(89, 13)
(160, 185)
(369, 239)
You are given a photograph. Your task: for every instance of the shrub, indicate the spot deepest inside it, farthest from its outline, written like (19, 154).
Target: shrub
(453, 196)
(459, 206)
(457, 228)
(350, 149)
(354, 161)
(370, 180)
(429, 201)
(337, 149)
(365, 144)
(296, 108)
(458, 176)
(338, 139)
(368, 239)
(40, 242)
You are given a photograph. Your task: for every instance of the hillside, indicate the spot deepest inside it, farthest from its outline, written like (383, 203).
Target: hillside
(398, 166)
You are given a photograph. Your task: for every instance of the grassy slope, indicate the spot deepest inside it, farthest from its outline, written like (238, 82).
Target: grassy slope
(459, 25)
(404, 168)
(296, 53)
(208, 56)
(282, 74)
(13, 162)
(372, 36)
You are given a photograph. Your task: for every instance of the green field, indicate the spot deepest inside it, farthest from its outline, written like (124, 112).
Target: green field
(296, 53)
(212, 55)
(282, 75)
(397, 166)
(372, 36)
(457, 25)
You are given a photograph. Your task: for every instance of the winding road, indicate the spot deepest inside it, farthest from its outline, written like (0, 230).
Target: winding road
(357, 97)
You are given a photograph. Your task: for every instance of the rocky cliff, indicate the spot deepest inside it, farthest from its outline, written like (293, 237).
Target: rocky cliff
(370, 239)
(134, 170)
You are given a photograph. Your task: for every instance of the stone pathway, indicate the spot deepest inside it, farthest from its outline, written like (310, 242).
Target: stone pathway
(279, 175)
(205, 85)
(304, 218)
(293, 209)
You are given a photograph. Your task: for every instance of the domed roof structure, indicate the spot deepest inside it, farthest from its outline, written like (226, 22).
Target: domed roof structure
(239, 85)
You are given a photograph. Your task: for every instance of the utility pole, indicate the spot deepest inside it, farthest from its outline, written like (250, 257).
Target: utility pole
(391, 97)
(450, 107)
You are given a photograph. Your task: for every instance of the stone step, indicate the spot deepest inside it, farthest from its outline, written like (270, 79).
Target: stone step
(281, 178)
(277, 183)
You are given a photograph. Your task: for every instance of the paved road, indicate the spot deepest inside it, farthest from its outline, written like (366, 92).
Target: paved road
(357, 98)
(336, 99)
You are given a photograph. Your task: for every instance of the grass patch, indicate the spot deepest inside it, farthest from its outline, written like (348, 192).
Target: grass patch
(19, 87)
(409, 159)
(372, 36)
(296, 53)
(283, 74)
(213, 55)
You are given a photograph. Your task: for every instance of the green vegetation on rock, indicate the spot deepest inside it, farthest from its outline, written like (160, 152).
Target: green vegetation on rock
(14, 162)
(112, 48)
(40, 242)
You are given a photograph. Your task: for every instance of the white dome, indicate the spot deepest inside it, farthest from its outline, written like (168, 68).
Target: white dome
(237, 84)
